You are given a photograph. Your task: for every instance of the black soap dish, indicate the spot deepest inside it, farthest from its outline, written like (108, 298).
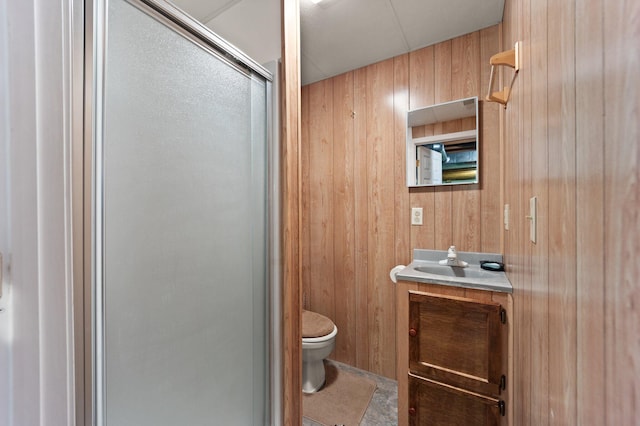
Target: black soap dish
(491, 265)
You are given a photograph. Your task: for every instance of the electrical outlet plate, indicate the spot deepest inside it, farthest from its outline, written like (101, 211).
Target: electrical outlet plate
(416, 215)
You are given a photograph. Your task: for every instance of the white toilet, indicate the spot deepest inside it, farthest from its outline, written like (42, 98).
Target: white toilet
(318, 340)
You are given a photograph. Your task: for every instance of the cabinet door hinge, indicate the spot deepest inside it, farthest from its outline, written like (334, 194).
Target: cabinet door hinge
(502, 407)
(503, 382)
(503, 316)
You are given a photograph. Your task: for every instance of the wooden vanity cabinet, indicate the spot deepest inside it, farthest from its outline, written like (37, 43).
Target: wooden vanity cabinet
(432, 403)
(455, 365)
(456, 341)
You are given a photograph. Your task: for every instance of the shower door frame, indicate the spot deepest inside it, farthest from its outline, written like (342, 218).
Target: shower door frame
(88, 45)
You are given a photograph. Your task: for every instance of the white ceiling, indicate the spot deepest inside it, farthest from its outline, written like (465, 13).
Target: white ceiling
(342, 35)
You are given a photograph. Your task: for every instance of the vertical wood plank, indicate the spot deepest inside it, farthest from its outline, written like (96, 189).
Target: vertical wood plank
(465, 200)
(344, 218)
(403, 252)
(622, 222)
(321, 211)
(442, 93)
(305, 224)
(465, 65)
(421, 94)
(514, 236)
(562, 208)
(591, 279)
(361, 180)
(522, 97)
(539, 383)
(380, 116)
(490, 150)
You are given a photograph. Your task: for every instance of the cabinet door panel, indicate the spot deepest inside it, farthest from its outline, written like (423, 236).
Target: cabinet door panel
(456, 341)
(435, 404)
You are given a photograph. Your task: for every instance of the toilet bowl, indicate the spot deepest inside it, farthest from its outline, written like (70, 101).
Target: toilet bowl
(318, 340)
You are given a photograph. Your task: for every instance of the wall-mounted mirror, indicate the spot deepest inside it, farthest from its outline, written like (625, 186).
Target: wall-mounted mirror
(443, 143)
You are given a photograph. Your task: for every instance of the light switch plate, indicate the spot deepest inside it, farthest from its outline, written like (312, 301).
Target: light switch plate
(533, 217)
(506, 217)
(416, 215)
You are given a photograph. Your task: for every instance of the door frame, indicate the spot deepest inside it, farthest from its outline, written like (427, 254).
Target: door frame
(291, 217)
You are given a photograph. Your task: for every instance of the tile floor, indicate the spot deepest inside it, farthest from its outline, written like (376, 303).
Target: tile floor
(383, 408)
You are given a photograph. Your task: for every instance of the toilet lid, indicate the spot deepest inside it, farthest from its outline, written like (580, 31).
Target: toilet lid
(315, 325)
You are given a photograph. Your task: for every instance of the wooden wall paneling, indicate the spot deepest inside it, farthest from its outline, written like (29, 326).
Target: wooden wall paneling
(562, 208)
(589, 54)
(538, 375)
(501, 120)
(442, 93)
(403, 252)
(522, 97)
(465, 65)
(490, 150)
(583, 62)
(361, 182)
(514, 237)
(344, 218)
(622, 222)
(381, 233)
(421, 94)
(305, 224)
(380, 115)
(515, 268)
(465, 200)
(321, 208)
(421, 77)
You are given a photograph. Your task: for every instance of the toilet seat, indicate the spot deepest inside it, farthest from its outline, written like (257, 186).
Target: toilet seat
(316, 326)
(306, 340)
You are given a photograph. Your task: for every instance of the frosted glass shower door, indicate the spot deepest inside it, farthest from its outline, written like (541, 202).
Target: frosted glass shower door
(182, 276)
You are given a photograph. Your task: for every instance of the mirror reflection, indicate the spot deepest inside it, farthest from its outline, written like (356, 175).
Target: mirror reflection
(448, 163)
(442, 144)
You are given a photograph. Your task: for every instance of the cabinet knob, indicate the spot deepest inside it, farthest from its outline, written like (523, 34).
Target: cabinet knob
(413, 332)
(412, 411)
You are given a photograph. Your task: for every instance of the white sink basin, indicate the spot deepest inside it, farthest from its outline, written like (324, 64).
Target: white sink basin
(454, 271)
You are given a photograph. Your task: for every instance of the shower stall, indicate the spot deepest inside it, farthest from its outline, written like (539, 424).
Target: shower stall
(178, 130)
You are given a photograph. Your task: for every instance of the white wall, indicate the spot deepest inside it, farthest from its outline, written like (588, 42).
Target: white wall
(252, 26)
(35, 227)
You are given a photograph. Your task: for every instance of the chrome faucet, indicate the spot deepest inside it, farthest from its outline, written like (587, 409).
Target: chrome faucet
(452, 259)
